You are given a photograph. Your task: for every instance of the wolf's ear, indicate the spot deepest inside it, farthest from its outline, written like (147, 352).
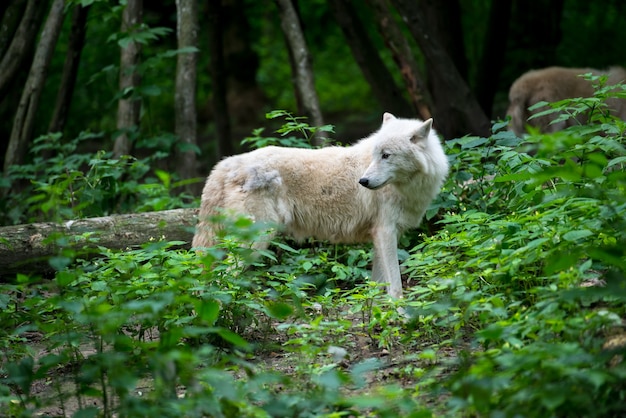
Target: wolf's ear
(423, 131)
(387, 117)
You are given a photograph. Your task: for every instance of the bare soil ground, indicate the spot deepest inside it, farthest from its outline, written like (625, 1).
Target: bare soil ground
(58, 392)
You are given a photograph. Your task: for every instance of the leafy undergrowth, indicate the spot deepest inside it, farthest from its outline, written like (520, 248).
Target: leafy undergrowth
(514, 306)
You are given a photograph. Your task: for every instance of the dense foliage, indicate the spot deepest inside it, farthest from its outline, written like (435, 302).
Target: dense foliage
(344, 94)
(515, 300)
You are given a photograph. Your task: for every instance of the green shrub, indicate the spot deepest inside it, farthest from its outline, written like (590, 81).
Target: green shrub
(514, 305)
(64, 182)
(515, 270)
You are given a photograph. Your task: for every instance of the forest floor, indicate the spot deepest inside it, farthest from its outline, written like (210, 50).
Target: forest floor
(397, 366)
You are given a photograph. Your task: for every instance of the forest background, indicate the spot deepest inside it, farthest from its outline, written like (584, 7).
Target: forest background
(515, 286)
(453, 60)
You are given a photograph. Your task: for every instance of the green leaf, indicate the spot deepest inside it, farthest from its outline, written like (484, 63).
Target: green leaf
(59, 263)
(164, 176)
(99, 286)
(279, 310)
(331, 380)
(499, 125)
(561, 261)
(514, 177)
(493, 332)
(21, 374)
(243, 222)
(618, 160)
(207, 310)
(577, 235)
(285, 247)
(537, 242)
(64, 278)
(233, 338)
(596, 378)
(360, 369)
(474, 142)
(276, 114)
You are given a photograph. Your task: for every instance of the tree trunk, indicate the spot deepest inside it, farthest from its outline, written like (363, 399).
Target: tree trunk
(302, 69)
(185, 98)
(292, 64)
(24, 122)
(377, 75)
(22, 40)
(129, 106)
(70, 68)
(219, 80)
(403, 57)
(456, 111)
(5, 4)
(26, 248)
(444, 23)
(241, 64)
(493, 54)
(11, 13)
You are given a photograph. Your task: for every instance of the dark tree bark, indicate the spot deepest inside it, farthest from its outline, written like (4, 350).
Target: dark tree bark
(292, 64)
(241, 62)
(26, 248)
(403, 57)
(24, 122)
(70, 68)
(129, 106)
(22, 41)
(374, 70)
(11, 16)
(5, 5)
(219, 79)
(303, 70)
(185, 98)
(456, 111)
(444, 22)
(12, 12)
(493, 54)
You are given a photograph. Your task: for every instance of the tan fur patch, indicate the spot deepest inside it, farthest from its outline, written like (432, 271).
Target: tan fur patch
(553, 84)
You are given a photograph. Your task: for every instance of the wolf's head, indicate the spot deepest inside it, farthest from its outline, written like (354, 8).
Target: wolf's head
(401, 149)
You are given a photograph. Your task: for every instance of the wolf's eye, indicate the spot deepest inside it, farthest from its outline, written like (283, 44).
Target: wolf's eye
(384, 156)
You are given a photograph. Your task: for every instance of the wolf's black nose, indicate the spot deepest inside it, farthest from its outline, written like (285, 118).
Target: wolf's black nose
(364, 182)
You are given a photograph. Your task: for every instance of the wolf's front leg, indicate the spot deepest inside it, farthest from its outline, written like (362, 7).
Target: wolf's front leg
(386, 267)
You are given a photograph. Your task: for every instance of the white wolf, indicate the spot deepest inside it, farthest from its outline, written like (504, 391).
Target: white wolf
(554, 84)
(369, 192)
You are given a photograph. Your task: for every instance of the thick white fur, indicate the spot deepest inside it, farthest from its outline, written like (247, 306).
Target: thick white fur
(553, 84)
(316, 193)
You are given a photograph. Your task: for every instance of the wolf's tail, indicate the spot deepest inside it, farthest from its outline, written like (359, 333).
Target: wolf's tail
(212, 198)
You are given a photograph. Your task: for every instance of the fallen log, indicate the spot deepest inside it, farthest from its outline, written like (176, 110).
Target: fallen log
(26, 248)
